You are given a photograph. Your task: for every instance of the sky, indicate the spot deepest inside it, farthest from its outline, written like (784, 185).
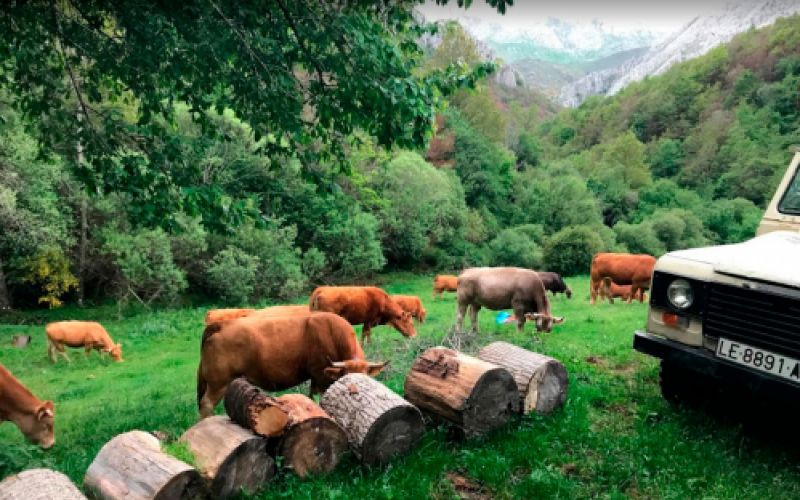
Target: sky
(659, 16)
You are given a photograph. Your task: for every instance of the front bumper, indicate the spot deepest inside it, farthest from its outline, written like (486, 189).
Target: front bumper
(703, 361)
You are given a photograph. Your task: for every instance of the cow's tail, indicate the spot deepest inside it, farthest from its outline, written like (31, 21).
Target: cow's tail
(313, 303)
(209, 332)
(201, 384)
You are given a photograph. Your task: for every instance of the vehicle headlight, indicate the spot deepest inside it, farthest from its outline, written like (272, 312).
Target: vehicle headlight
(680, 294)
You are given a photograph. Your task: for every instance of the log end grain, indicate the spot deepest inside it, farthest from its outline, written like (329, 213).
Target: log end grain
(394, 433)
(39, 484)
(313, 446)
(493, 400)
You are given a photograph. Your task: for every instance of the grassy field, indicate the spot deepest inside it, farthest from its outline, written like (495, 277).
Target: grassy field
(615, 437)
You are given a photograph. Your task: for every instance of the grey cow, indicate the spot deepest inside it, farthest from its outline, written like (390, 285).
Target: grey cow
(499, 288)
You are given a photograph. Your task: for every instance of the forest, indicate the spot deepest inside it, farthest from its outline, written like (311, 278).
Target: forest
(119, 184)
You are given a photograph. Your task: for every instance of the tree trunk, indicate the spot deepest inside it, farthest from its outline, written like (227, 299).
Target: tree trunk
(132, 467)
(542, 381)
(307, 438)
(39, 484)
(474, 395)
(83, 240)
(229, 457)
(5, 298)
(379, 424)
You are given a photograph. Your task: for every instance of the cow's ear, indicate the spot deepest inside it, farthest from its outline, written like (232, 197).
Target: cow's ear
(46, 409)
(334, 372)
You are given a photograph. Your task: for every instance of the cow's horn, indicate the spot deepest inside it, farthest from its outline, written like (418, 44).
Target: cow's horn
(375, 365)
(337, 364)
(558, 319)
(535, 315)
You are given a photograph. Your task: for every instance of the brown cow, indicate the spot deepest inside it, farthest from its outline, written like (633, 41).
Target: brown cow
(87, 334)
(35, 418)
(499, 288)
(363, 305)
(276, 353)
(411, 304)
(611, 290)
(444, 283)
(555, 283)
(624, 269)
(217, 315)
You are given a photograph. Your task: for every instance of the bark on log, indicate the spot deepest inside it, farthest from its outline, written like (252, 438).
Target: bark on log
(542, 381)
(474, 395)
(39, 484)
(132, 467)
(307, 438)
(229, 457)
(379, 424)
(20, 341)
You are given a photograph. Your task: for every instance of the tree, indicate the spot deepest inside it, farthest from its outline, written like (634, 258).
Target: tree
(570, 251)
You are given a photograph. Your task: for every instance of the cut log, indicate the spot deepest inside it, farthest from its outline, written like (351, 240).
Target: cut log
(542, 381)
(132, 467)
(20, 340)
(39, 484)
(229, 457)
(475, 395)
(379, 424)
(307, 438)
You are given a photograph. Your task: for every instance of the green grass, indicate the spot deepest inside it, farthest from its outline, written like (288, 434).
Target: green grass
(615, 437)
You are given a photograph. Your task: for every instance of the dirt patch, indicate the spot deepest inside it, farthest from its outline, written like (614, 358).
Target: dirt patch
(596, 360)
(569, 469)
(626, 369)
(468, 488)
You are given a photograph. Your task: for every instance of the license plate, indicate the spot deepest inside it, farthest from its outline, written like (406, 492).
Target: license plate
(760, 359)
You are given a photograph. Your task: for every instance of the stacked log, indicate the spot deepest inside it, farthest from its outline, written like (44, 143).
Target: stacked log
(473, 394)
(229, 457)
(541, 380)
(39, 484)
(307, 438)
(20, 341)
(379, 424)
(132, 467)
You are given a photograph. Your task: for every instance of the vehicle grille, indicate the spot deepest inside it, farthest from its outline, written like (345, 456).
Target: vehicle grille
(760, 319)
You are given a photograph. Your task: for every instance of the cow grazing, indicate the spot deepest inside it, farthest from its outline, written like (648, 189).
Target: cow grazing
(276, 353)
(217, 315)
(363, 305)
(499, 288)
(611, 291)
(624, 269)
(35, 418)
(87, 334)
(555, 284)
(411, 304)
(444, 283)
(288, 310)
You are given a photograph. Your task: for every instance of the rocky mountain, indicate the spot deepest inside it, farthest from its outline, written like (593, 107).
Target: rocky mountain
(692, 40)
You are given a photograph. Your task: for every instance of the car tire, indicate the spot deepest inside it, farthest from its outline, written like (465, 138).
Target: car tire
(683, 387)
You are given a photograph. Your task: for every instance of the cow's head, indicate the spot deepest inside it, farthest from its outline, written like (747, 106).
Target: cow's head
(404, 323)
(339, 369)
(116, 352)
(422, 314)
(544, 322)
(39, 426)
(568, 292)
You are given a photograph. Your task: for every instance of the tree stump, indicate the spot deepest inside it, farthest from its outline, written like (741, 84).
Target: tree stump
(379, 424)
(475, 395)
(229, 457)
(132, 467)
(39, 484)
(542, 381)
(20, 341)
(307, 438)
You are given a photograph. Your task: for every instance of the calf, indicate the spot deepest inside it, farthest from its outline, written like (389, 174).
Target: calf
(217, 315)
(87, 334)
(611, 290)
(554, 283)
(624, 269)
(276, 353)
(412, 305)
(35, 418)
(363, 305)
(444, 283)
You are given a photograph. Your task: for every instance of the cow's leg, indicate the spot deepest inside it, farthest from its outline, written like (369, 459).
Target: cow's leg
(473, 316)
(52, 352)
(366, 334)
(520, 314)
(63, 352)
(210, 400)
(462, 310)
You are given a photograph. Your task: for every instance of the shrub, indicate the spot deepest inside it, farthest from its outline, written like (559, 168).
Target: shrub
(639, 238)
(232, 273)
(49, 271)
(280, 271)
(570, 251)
(144, 264)
(314, 264)
(515, 247)
(732, 221)
(352, 245)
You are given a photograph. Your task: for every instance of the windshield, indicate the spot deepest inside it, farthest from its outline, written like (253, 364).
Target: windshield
(790, 204)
